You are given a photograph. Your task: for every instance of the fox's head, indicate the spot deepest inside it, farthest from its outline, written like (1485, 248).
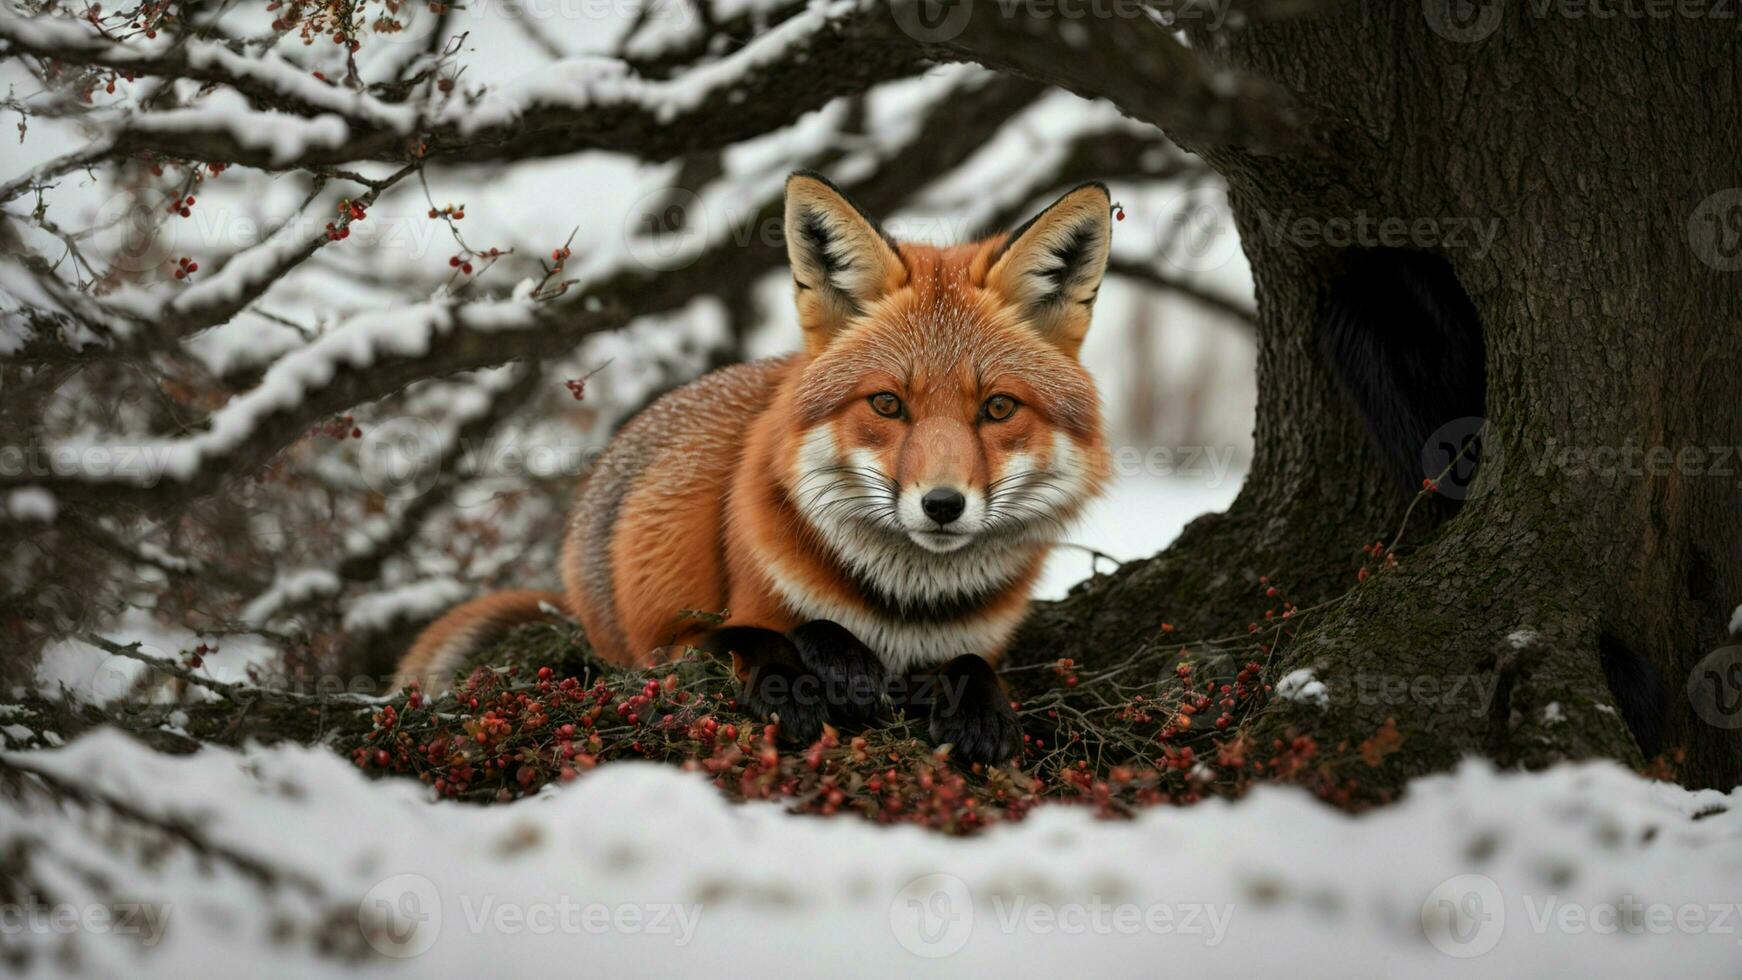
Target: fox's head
(940, 404)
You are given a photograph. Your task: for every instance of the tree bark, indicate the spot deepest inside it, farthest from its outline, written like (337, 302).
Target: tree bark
(1604, 154)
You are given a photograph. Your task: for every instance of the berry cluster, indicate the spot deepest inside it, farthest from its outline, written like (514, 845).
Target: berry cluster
(1377, 551)
(196, 658)
(341, 428)
(507, 732)
(349, 212)
(463, 261)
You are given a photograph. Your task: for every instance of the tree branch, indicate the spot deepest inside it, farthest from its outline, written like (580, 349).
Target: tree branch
(816, 53)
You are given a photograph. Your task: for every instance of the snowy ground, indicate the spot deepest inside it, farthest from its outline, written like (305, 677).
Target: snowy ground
(641, 870)
(1139, 516)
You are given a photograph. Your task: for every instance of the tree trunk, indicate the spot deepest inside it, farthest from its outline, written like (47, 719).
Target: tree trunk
(1603, 154)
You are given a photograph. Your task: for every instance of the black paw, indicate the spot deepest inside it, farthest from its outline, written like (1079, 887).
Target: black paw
(971, 714)
(775, 684)
(851, 675)
(779, 693)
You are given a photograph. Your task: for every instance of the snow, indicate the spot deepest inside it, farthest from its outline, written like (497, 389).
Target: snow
(1520, 639)
(1138, 516)
(1300, 685)
(423, 599)
(290, 589)
(358, 343)
(263, 69)
(589, 82)
(249, 271)
(88, 673)
(645, 870)
(284, 137)
(32, 504)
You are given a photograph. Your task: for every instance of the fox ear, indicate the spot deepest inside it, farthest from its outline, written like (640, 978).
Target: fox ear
(841, 261)
(1051, 267)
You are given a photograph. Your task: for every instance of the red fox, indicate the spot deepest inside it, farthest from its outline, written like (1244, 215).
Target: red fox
(875, 508)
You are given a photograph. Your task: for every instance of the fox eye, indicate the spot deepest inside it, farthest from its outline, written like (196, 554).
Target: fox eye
(999, 407)
(886, 404)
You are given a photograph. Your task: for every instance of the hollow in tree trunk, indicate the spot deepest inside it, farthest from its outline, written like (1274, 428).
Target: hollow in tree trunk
(1581, 178)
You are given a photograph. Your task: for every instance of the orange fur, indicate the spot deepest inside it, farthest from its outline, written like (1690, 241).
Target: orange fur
(708, 501)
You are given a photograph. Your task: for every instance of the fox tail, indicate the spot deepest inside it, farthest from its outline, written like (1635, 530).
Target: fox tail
(450, 642)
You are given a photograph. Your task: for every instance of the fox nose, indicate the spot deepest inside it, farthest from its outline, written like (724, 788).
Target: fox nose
(943, 504)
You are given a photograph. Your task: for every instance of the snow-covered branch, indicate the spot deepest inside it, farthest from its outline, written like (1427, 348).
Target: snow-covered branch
(815, 53)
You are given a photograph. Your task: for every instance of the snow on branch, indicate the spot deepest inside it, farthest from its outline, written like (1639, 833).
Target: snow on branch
(248, 275)
(266, 78)
(375, 354)
(364, 359)
(817, 52)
